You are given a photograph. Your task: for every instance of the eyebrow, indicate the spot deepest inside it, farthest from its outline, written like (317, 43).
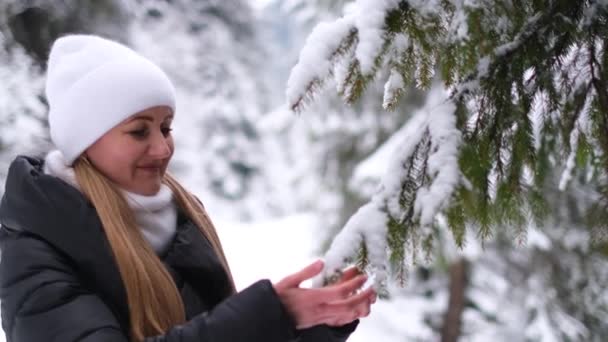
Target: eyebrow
(148, 118)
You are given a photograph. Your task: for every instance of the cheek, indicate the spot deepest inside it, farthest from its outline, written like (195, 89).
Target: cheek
(125, 154)
(115, 161)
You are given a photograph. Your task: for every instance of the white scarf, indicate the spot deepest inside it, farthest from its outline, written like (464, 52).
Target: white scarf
(155, 215)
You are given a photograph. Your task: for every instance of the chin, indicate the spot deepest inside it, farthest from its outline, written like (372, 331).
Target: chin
(148, 190)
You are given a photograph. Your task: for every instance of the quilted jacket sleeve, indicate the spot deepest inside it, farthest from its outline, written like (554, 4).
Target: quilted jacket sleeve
(43, 300)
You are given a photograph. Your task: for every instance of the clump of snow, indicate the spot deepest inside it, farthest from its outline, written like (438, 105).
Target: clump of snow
(315, 62)
(443, 159)
(370, 23)
(459, 27)
(410, 135)
(426, 7)
(368, 224)
(393, 86)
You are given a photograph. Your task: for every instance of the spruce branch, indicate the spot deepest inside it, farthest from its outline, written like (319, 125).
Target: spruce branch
(314, 82)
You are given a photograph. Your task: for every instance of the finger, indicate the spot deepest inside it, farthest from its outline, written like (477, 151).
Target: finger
(344, 290)
(330, 319)
(334, 320)
(366, 311)
(365, 308)
(306, 273)
(340, 322)
(341, 315)
(350, 274)
(351, 303)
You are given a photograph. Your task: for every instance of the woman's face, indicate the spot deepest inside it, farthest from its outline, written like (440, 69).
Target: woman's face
(136, 152)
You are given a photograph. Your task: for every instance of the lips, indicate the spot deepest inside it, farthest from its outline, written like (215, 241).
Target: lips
(152, 168)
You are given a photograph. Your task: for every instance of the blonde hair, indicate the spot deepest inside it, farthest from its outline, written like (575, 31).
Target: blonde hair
(155, 304)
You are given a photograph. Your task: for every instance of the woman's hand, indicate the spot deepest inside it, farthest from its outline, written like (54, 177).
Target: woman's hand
(334, 305)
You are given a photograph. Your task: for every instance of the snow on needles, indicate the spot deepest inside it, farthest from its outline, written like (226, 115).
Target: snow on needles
(437, 116)
(412, 133)
(319, 52)
(392, 87)
(315, 62)
(370, 23)
(369, 224)
(443, 159)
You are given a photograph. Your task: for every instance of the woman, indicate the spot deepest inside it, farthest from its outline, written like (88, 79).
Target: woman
(100, 243)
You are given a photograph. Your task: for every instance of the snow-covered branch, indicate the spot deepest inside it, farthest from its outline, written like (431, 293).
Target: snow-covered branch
(326, 42)
(435, 121)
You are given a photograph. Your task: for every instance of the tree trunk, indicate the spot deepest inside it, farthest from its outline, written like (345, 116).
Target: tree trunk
(453, 317)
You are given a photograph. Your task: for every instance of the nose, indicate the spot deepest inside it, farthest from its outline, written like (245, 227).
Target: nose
(159, 147)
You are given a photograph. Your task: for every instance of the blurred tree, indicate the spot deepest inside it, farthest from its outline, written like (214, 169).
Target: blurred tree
(35, 24)
(213, 53)
(27, 29)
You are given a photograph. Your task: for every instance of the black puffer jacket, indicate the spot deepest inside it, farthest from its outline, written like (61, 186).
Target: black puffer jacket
(59, 282)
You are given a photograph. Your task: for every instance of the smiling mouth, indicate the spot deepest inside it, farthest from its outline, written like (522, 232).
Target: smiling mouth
(151, 169)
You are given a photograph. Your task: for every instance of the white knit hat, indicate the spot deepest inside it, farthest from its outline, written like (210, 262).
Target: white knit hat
(93, 84)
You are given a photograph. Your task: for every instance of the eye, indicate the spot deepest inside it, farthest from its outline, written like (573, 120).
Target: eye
(139, 133)
(166, 131)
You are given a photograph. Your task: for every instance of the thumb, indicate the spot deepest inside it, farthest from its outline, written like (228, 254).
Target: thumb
(307, 272)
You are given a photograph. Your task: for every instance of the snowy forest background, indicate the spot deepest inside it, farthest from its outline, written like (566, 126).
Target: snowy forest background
(281, 184)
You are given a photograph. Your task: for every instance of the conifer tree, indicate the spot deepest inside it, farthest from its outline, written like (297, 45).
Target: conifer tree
(27, 30)
(517, 94)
